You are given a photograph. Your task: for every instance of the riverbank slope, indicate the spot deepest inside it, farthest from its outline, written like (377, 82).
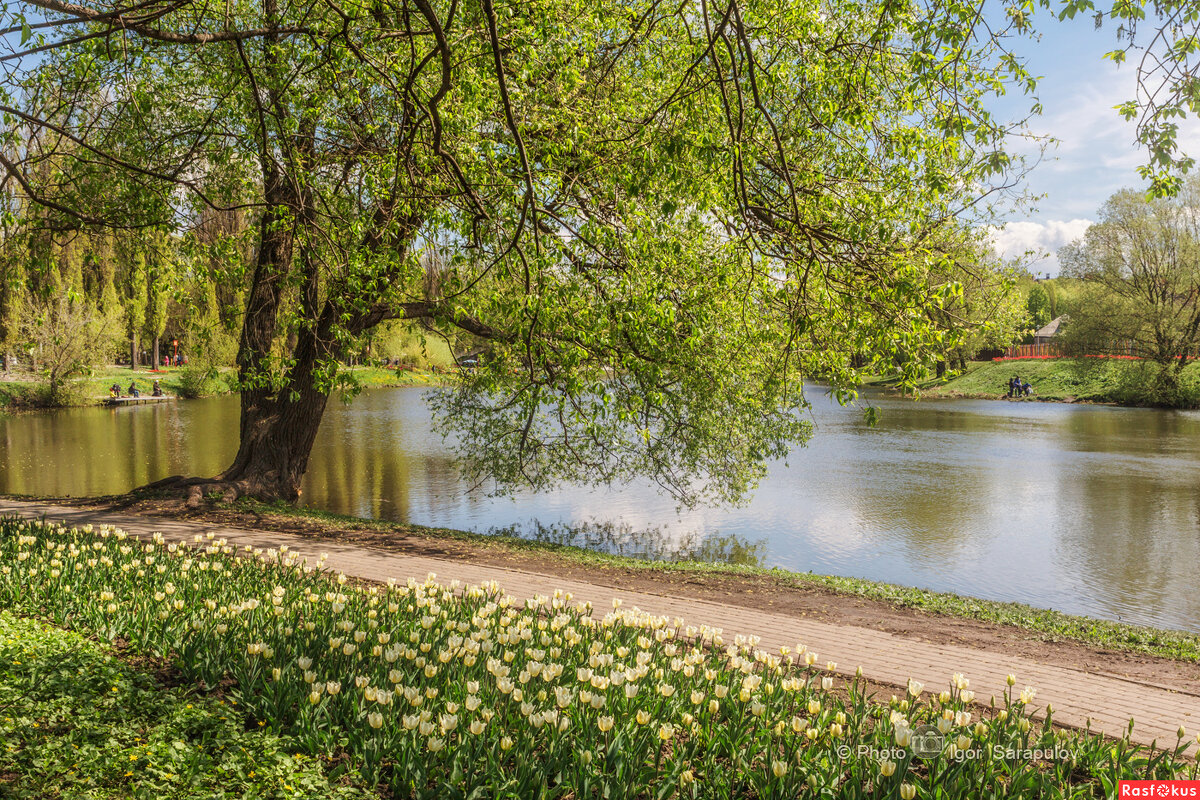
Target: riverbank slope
(1066, 380)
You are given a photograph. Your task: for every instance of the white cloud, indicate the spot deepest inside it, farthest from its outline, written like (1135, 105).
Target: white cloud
(1043, 238)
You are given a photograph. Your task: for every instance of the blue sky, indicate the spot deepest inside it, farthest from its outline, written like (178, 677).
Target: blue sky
(1096, 154)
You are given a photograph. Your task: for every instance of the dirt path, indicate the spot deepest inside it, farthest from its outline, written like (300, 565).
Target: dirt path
(891, 644)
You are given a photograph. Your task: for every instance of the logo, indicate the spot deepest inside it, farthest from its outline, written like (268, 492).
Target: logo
(927, 742)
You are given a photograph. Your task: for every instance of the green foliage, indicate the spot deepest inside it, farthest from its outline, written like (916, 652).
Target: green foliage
(197, 381)
(430, 692)
(1140, 268)
(66, 337)
(75, 721)
(1037, 306)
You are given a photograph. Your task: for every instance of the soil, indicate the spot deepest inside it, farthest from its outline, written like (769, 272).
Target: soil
(749, 591)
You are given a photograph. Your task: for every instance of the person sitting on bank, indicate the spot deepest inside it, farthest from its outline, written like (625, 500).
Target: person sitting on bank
(1026, 389)
(158, 392)
(133, 390)
(114, 390)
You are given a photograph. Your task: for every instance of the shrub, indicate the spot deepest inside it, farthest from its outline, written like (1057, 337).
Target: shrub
(196, 381)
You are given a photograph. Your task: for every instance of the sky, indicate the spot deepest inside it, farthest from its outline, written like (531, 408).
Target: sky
(1096, 154)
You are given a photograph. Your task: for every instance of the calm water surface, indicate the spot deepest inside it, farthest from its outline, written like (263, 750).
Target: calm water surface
(1090, 510)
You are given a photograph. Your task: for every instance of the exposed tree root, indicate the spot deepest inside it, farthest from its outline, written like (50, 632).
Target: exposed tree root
(195, 490)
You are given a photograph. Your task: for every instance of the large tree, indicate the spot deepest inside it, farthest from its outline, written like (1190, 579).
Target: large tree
(1141, 261)
(656, 218)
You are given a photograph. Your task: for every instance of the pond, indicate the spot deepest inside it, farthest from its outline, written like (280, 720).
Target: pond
(1085, 509)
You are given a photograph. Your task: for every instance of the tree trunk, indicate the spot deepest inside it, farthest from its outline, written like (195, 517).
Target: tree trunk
(133, 351)
(276, 441)
(157, 363)
(277, 428)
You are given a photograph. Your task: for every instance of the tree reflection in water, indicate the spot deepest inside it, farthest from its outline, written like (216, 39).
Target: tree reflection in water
(652, 544)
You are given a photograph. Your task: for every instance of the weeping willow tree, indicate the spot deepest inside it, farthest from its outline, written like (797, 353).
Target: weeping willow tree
(655, 219)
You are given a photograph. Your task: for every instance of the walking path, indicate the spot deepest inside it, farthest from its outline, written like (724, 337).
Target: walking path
(1106, 702)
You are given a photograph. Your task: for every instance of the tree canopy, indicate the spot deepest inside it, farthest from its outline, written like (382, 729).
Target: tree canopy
(656, 220)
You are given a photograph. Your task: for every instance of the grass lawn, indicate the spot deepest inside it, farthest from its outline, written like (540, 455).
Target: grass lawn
(76, 721)
(1094, 380)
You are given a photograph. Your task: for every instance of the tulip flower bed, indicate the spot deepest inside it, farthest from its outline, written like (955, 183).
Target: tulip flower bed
(429, 691)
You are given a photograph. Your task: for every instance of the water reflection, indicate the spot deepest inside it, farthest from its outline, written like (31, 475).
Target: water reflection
(654, 544)
(1085, 509)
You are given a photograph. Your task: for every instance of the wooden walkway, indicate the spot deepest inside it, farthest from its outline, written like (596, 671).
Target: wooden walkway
(1106, 702)
(136, 401)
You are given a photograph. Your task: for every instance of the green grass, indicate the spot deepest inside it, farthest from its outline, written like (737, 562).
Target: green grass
(1092, 380)
(78, 722)
(1047, 624)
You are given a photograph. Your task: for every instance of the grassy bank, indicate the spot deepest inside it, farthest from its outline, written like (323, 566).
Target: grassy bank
(77, 721)
(425, 692)
(1046, 624)
(28, 391)
(1069, 380)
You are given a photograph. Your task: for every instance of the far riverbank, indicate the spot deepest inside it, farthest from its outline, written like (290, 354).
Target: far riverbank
(23, 391)
(1111, 381)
